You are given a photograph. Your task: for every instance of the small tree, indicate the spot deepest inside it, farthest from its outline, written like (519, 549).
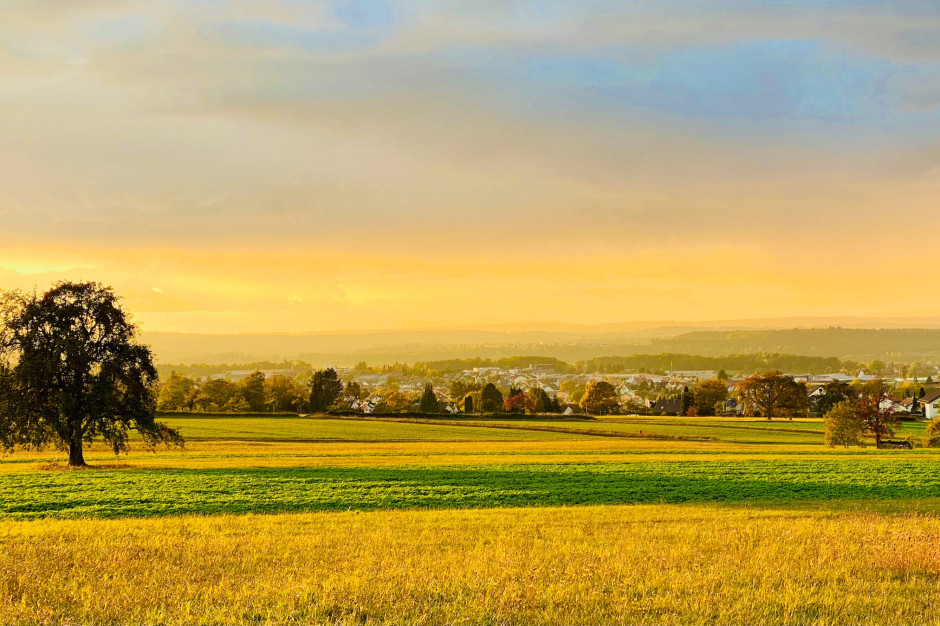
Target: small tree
(515, 403)
(325, 389)
(71, 370)
(876, 421)
(843, 425)
(428, 402)
(600, 398)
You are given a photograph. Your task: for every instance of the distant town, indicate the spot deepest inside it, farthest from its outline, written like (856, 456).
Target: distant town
(541, 385)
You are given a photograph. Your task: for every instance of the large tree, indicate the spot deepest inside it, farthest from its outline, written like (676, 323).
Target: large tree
(429, 402)
(325, 389)
(875, 412)
(491, 398)
(843, 426)
(600, 398)
(773, 394)
(283, 393)
(710, 395)
(251, 388)
(73, 371)
(834, 393)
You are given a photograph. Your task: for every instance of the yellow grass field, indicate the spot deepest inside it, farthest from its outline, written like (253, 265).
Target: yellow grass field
(311, 523)
(598, 565)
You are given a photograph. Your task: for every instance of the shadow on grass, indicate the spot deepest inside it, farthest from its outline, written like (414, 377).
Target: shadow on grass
(147, 493)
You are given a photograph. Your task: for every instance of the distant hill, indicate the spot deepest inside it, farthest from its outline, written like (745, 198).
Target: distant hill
(376, 348)
(892, 344)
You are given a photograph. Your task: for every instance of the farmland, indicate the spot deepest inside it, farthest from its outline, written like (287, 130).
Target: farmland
(489, 520)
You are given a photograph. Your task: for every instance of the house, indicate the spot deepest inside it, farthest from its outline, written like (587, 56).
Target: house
(895, 407)
(910, 405)
(816, 391)
(931, 404)
(828, 378)
(732, 407)
(667, 406)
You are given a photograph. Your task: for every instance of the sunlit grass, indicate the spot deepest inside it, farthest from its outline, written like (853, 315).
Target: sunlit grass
(661, 564)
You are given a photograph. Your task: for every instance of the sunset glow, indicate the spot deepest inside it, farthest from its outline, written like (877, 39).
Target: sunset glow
(305, 166)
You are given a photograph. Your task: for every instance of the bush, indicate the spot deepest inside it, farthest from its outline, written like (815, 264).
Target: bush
(932, 434)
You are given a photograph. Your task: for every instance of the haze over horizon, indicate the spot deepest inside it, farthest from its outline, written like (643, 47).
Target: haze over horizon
(240, 167)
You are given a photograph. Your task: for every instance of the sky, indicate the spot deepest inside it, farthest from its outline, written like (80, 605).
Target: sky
(295, 166)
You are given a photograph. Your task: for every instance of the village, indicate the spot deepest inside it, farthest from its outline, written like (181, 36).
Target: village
(398, 389)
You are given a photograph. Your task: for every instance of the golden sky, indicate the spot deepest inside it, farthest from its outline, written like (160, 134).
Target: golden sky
(301, 166)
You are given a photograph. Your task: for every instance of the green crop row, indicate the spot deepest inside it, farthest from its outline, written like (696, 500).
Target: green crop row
(136, 493)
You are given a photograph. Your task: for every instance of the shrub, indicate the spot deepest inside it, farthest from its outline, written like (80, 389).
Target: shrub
(932, 434)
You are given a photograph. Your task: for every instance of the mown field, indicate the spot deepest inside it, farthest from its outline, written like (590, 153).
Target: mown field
(616, 520)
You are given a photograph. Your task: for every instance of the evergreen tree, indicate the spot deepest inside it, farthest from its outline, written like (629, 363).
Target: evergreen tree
(491, 399)
(251, 389)
(325, 389)
(429, 403)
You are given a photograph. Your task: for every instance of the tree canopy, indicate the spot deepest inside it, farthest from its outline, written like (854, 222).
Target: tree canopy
(71, 371)
(428, 402)
(491, 398)
(600, 398)
(773, 394)
(843, 426)
(325, 389)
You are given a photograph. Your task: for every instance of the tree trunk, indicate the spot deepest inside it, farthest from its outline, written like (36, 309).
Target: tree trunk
(76, 454)
(877, 440)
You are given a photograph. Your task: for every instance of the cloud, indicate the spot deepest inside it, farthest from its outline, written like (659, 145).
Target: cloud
(441, 143)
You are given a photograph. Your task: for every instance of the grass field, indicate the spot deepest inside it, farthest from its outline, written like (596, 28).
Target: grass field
(648, 520)
(661, 564)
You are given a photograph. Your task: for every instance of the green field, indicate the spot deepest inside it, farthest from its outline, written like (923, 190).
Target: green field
(282, 428)
(144, 493)
(280, 519)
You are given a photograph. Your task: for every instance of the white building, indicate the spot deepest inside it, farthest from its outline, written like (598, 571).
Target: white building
(931, 404)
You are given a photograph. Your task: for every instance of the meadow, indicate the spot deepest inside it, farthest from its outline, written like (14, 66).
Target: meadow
(289, 519)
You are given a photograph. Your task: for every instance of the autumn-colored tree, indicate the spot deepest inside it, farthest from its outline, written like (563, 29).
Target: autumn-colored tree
(709, 395)
(600, 398)
(284, 393)
(877, 417)
(397, 402)
(843, 425)
(539, 401)
(771, 394)
(932, 433)
(515, 403)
